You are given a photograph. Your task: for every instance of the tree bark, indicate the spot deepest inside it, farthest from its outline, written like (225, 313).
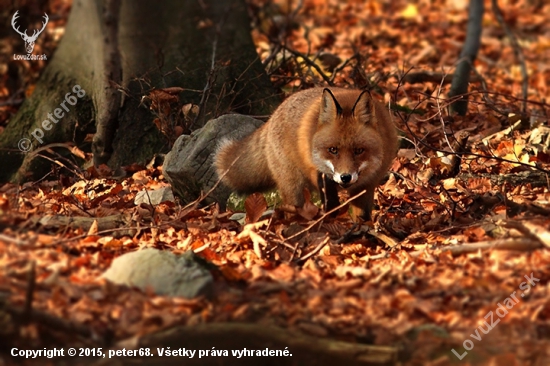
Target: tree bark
(204, 47)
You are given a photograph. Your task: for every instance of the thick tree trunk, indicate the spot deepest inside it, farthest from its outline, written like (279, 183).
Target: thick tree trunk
(203, 47)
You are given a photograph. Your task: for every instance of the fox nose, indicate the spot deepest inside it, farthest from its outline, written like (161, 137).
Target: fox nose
(345, 178)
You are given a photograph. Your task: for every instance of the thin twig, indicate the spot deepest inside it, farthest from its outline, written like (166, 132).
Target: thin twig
(212, 73)
(57, 162)
(326, 215)
(425, 144)
(310, 63)
(9, 239)
(340, 67)
(316, 250)
(439, 90)
(485, 96)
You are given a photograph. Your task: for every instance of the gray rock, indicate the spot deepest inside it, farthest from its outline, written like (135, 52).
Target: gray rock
(154, 197)
(188, 166)
(163, 272)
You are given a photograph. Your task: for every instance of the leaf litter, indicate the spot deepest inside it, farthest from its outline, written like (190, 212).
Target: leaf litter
(457, 228)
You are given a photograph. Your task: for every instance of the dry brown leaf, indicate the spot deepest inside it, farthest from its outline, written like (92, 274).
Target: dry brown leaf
(254, 205)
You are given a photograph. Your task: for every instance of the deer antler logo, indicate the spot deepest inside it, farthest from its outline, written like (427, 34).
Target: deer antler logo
(29, 41)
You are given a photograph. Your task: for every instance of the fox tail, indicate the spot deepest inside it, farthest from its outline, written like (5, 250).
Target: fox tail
(242, 165)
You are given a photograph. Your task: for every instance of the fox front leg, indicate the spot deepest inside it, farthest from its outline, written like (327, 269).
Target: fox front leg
(362, 205)
(328, 192)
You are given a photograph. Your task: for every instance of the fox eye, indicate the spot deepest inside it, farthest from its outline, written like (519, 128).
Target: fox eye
(358, 151)
(333, 150)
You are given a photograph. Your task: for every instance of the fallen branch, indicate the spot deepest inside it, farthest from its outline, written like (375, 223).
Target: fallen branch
(530, 229)
(519, 244)
(534, 178)
(49, 322)
(302, 349)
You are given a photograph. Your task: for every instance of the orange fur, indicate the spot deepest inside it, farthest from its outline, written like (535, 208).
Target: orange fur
(344, 134)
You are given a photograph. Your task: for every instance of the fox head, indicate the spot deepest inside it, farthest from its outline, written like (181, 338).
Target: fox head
(347, 146)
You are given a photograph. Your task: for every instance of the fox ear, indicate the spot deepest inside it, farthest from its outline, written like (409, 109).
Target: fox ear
(329, 107)
(363, 106)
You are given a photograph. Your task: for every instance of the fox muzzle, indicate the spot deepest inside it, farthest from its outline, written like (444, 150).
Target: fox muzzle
(345, 179)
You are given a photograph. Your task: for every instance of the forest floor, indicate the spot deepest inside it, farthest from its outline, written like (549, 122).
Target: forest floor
(454, 268)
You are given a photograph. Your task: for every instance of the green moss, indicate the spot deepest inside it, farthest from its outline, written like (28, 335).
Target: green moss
(236, 202)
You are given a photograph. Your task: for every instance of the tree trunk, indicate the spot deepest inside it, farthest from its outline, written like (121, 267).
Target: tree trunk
(461, 79)
(119, 52)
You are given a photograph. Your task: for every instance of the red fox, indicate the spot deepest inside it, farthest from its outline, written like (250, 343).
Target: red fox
(316, 139)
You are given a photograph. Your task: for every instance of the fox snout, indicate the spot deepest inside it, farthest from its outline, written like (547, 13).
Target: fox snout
(345, 179)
